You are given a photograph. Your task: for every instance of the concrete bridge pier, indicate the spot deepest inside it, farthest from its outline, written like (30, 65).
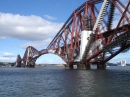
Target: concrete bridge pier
(87, 65)
(18, 64)
(69, 67)
(81, 66)
(101, 65)
(31, 66)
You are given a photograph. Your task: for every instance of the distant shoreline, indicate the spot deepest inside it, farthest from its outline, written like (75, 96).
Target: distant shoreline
(54, 66)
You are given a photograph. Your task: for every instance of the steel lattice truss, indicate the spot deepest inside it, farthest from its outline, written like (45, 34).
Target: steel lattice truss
(112, 31)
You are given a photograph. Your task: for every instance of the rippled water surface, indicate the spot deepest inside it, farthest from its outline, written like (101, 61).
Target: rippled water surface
(58, 82)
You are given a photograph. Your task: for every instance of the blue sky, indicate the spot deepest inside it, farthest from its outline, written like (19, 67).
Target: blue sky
(33, 22)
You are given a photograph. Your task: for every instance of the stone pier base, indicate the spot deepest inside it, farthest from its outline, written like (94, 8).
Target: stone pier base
(101, 66)
(69, 67)
(81, 66)
(18, 64)
(30, 66)
(87, 66)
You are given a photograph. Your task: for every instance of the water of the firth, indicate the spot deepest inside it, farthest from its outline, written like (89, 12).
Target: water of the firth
(58, 82)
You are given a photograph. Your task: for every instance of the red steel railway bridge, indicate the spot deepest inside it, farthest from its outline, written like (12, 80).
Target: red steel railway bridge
(95, 32)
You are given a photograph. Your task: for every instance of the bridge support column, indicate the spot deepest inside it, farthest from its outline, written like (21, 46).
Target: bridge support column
(31, 66)
(81, 66)
(18, 64)
(87, 66)
(69, 67)
(101, 65)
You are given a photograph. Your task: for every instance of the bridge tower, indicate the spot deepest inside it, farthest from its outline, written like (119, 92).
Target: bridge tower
(88, 38)
(30, 56)
(85, 37)
(18, 61)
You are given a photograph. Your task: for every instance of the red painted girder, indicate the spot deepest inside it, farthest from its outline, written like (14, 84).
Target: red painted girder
(113, 55)
(108, 33)
(93, 56)
(44, 51)
(19, 59)
(69, 20)
(123, 15)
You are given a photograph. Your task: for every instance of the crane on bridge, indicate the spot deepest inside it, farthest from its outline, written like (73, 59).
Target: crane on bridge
(91, 35)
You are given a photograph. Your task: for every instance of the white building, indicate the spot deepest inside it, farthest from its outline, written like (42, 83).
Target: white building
(123, 63)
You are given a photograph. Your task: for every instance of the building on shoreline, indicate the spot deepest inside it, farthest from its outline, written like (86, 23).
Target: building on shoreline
(122, 63)
(6, 64)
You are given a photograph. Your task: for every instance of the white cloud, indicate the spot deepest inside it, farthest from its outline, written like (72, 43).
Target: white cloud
(37, 44)
(2, 37)
(37, 31)
(33, 28)
(7, 57)
(7, 54)
(49, 17)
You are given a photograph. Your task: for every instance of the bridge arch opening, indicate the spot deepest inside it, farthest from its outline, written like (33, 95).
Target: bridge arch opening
(50, 60)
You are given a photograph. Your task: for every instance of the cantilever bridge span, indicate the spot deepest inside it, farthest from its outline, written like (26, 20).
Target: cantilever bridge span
(94, 33)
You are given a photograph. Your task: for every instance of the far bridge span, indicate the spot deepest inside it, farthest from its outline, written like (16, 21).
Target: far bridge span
(91, 35)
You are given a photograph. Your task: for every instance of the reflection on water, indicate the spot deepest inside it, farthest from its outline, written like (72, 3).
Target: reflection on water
(58, 82)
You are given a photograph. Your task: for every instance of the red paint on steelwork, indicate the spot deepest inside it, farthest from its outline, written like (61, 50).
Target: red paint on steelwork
(66, 43)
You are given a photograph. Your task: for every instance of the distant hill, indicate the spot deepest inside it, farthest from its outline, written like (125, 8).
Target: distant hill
(50, 65)
(115, 64)
(111, 64)
(6, 64)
